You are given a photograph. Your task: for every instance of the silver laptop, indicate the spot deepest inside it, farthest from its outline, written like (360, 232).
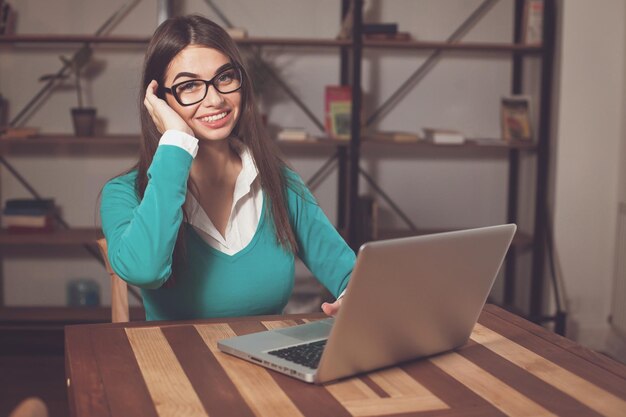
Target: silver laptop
(407, 298)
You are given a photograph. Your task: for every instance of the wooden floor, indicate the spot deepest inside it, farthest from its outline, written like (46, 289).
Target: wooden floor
(32, 364)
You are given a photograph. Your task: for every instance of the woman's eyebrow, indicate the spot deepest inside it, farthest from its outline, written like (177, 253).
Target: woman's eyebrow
(192, 75)
(185, 74)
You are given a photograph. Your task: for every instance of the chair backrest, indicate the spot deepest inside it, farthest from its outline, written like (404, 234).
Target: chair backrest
(30, 407)
(119, 288)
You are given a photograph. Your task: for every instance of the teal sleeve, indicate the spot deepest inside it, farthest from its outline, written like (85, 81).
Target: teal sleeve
(320, 246)
(141, 234)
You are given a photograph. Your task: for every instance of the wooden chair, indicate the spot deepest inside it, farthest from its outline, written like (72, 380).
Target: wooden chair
(30, 407)
(119, 289)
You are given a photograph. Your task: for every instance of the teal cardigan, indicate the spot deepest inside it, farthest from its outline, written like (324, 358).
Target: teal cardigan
(141, 234)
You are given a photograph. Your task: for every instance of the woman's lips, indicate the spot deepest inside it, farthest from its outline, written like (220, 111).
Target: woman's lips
(216, 121)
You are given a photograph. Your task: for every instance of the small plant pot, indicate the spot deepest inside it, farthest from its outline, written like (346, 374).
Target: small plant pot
(84, 121)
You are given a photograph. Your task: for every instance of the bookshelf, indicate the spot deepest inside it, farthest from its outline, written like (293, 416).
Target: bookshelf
(516, 52)
(349, 152)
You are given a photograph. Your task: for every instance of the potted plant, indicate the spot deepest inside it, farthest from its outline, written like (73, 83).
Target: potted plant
(83, 118)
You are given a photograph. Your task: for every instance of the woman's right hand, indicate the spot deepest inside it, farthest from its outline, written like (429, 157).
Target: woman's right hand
(164, 117)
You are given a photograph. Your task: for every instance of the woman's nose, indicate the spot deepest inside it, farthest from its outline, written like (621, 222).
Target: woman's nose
(212, 98)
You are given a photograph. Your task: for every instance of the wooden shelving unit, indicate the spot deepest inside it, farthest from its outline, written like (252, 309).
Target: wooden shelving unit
(517, 50)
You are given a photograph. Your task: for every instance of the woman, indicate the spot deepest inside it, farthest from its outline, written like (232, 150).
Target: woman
(210, 219)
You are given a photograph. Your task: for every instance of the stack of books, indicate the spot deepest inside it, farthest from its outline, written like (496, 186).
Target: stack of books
(394, 136)
(294, 134)
(29, 215)
(384, 32)
(444, 136)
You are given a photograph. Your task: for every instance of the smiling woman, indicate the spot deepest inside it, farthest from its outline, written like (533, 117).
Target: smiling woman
(209, 221)
(211, 112)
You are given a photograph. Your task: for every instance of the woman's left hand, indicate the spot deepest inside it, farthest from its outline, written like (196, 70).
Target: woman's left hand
(332, 309)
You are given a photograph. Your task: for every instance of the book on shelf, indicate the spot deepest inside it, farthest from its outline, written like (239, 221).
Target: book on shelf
(29, 215)
(338, 111)
(443, 136)
(295, 134)
(398, 36)
(347, 22)
(368, 28)
(532, 25)
(25, 220)
(7, 132)
(515, 118)
(8, 17)
(28, 205)
(488, 142)
(393, 136)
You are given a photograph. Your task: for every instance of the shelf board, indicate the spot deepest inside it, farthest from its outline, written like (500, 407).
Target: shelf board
(51, 315)
(277, 41)
(133, 140)
(520, 240)
(66, 38)
(65, 139)
(313, 42)
(307, 144)
(458, 46)
(75, 236)
(470, 143)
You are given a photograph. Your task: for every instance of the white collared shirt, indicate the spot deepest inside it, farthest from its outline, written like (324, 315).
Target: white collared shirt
(247, 202)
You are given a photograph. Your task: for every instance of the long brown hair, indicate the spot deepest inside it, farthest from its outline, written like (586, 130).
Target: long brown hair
(171, 37)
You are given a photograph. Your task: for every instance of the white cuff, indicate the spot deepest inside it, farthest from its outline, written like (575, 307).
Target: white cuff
(180, 139)
(342, 294)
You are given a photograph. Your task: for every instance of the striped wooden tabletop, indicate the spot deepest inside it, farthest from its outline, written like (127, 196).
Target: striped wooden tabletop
(509, 367)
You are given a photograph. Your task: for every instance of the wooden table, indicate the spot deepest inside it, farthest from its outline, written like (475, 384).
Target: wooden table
(509, 367)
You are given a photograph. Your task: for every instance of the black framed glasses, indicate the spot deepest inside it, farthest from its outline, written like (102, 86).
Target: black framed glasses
(190, 92)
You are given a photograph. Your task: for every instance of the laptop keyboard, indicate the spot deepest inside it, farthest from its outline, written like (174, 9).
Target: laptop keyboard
(308, 354)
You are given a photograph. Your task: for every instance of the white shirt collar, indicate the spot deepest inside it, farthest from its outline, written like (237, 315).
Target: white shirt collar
(198, 218)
